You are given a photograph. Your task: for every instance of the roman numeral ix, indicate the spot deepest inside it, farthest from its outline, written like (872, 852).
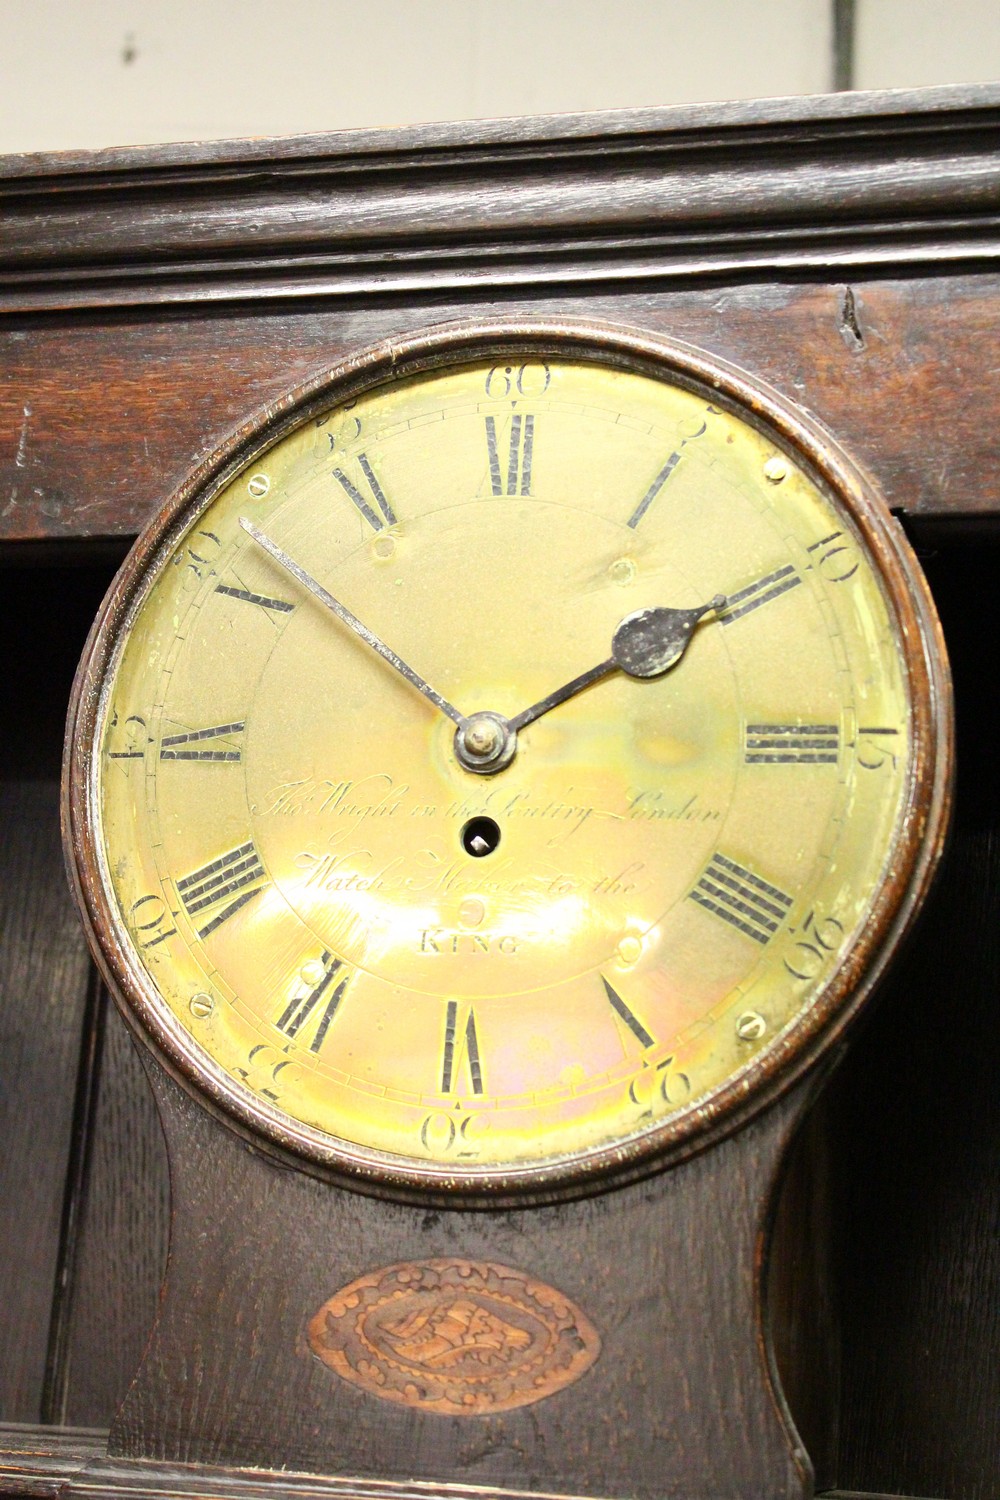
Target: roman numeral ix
(751, 905)
(514, 476)
(238, 871)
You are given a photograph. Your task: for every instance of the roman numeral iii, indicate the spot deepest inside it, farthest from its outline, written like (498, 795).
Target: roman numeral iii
(791, 744)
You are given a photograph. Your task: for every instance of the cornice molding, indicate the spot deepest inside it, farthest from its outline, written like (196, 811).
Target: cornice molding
(828, 186)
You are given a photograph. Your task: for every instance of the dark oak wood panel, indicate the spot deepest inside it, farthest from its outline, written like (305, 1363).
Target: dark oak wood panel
(916, 1116)
(122, 1239)
(72, 1464)
(44, 965)
(98, 422)
(800, 1307)
(44, 972)
(681, 1368)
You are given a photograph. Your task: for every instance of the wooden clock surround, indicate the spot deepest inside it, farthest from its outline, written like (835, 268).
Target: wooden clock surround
(151, 300)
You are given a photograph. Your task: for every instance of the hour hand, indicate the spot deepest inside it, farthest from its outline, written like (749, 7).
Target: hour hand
(651, 641)
(645, 644)
(343, 613)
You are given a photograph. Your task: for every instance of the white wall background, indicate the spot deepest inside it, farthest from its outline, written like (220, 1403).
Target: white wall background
(89, 73)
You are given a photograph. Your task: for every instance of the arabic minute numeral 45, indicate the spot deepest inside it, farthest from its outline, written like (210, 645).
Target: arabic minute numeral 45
(820, 936)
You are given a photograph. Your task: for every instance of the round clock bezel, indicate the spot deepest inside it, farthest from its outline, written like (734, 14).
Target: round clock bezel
(921, 828)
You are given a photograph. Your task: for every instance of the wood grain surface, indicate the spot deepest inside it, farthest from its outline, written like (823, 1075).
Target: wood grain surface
(678, 1404)
(772, 188)
(99, 422)
(44, 965)
(44, 972)
(122, 1239)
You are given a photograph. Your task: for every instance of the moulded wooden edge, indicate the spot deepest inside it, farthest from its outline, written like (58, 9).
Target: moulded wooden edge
(888, 108)
(746, 190)
(49, 1462)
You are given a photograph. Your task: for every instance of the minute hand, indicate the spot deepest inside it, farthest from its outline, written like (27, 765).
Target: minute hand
(343, 613)
(646, 644)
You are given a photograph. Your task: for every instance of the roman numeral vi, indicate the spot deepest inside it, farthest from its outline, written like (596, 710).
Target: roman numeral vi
(459, 1040)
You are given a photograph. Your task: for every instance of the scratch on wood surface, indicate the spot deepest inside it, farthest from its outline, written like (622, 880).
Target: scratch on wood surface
(20, 462)
(850, 327)
(20, 458)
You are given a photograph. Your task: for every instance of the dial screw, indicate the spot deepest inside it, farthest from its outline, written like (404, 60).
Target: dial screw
(471, 912)
(776, 469)
(751, 1026)
(202, 1005)
(259, 485)
(629, 949)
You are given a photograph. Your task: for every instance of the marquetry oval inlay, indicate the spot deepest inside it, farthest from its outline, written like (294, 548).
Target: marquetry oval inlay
(454, 1336)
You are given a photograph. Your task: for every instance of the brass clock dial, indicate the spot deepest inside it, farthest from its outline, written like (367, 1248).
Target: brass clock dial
(515, 759)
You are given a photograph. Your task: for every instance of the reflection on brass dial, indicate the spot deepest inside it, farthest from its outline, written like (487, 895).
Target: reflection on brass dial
(401, 962)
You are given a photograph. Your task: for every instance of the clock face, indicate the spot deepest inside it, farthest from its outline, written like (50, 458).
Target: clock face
(381, 899)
